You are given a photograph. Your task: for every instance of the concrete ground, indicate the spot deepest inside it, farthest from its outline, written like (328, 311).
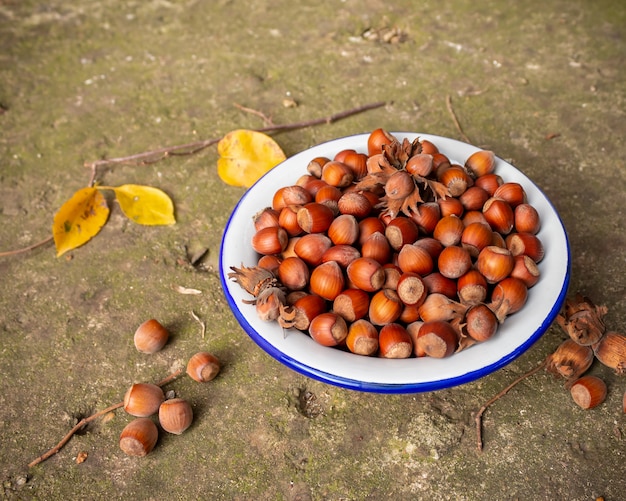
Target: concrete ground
(541, 83)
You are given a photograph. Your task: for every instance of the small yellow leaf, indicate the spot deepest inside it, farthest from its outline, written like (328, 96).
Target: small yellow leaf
(79, 219)
(245, 155)
(144, 204)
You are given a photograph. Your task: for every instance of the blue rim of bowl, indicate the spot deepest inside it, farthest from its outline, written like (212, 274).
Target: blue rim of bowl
(389, 388)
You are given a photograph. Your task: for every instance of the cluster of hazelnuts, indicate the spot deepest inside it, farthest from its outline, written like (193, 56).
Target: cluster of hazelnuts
(143, 400)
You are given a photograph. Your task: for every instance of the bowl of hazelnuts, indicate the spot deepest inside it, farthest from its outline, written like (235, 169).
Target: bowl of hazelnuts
(395, 262)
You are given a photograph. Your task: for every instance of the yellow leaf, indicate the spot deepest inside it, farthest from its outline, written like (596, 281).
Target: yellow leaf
(79, 219)
(245, 155)
(144, 204)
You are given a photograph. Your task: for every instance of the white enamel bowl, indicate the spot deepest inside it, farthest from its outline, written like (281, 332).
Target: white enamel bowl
(299, 352)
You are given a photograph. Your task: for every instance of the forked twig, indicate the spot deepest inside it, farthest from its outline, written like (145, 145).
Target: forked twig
(152, 156)
(77, 427)
(481, 411)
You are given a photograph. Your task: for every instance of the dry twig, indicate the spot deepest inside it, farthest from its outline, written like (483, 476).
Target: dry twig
(149, 157)
(481, 411)
(91, 418)
(455, 119)
(26, 249)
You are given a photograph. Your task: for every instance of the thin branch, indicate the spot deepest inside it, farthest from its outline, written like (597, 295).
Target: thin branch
(153, 156)
(91, 418)
(258, 113)
(26, 249)
(479, 414)
(455, 119)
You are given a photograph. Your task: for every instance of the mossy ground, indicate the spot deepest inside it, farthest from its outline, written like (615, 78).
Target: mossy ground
(90, 79)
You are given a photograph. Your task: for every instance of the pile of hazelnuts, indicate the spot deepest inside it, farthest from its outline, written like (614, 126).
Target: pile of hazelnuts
(144, 400)
(397, 253)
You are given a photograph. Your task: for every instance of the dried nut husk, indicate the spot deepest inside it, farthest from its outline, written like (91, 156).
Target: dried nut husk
(175, 415)
(269, 303)
(394, 341)
(582, 320)
(300, 313)
(611, 351)
(362, 338)
(588, 391)
(143, 399)
(203, 367)
(570, 360)
(150, 336)
(139, 437)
